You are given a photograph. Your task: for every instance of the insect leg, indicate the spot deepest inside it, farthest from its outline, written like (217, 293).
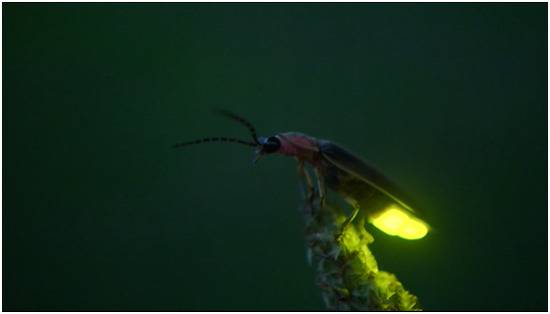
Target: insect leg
(305, 175)
(321, 186)
(349, 220)
(351, 217)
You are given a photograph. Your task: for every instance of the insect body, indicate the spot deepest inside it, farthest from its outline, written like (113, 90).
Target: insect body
(372, 195)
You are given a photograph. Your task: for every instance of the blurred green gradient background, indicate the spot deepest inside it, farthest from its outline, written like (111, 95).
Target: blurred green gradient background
(99, 213)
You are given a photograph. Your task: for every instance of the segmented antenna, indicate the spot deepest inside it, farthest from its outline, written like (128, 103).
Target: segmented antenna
(241, 120)
(215, 139)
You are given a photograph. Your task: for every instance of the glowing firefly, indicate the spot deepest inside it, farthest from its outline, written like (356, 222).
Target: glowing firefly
(370, 192)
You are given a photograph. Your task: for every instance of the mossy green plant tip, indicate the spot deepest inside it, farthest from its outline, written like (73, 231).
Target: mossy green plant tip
(347, 271)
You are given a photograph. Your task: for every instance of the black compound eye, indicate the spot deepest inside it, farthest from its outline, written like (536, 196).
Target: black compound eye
(271, 145)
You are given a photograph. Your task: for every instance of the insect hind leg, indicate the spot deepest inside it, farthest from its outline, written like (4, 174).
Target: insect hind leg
(348, 221)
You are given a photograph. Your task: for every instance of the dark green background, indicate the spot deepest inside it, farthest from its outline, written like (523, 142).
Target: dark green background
(100, 213)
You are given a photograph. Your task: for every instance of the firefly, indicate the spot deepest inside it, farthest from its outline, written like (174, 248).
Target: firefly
(373, 196)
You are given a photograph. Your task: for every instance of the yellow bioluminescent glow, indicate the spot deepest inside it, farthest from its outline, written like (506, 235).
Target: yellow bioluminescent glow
(396, 221)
